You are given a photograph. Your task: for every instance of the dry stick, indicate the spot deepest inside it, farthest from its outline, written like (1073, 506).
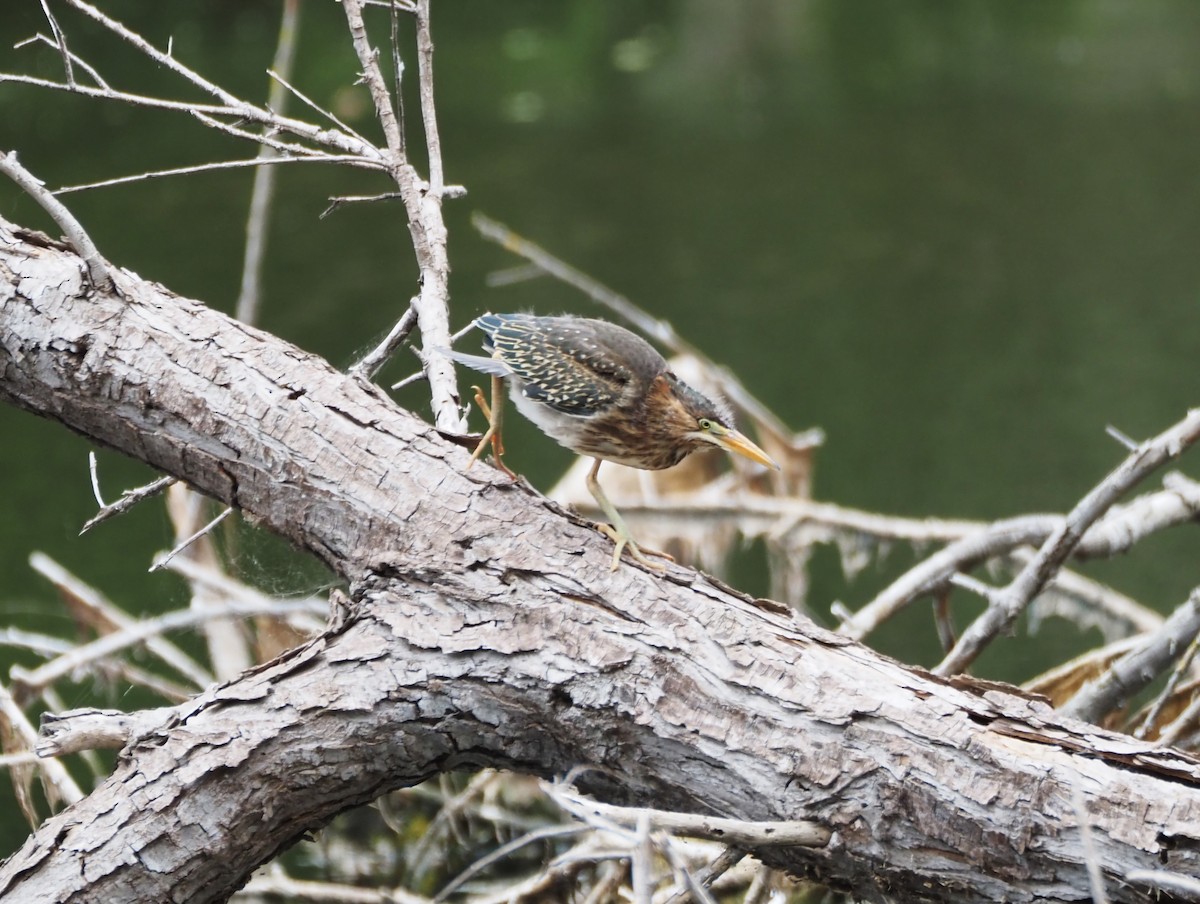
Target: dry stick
(368, 59)
(641, 866)
(703, 880)
(94, 473)
(188, 541)
(426, 226)
(659, 330)
(738, 832)
(97, 267)
(612, 877)
(264, 177)
(311, 157)
(319, 110)
(451, 809)
(1184, 723)
(1089, 603)
(118, 620)
(52, 770)
(75, 59)
(166, 60)
(425, 85)
(760, 886)
(378, 356)
(1015, 597)
(1137, 668)
(41, 644)
(420, 374)
(1168, 691)
(128, 500)
(398, 72)
(542, 834)
(1114, 533)
(1165, 881)
(139, 632)
(60, 41)
(240, 110)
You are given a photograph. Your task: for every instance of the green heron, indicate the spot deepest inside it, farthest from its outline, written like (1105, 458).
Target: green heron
(603, 392)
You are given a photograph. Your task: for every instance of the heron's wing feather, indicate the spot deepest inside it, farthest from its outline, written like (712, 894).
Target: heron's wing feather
(560, 364)
(493, 366)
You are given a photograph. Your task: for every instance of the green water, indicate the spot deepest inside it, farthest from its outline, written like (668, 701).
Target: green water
(961, 238)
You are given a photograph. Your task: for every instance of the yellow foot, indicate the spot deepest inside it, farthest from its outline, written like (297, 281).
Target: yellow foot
(491, 436)
(623, 542)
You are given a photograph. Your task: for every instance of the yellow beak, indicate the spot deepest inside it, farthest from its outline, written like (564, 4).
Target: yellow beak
(732, 441)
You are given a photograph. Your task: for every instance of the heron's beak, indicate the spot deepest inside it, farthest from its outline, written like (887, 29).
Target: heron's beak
(732, 441)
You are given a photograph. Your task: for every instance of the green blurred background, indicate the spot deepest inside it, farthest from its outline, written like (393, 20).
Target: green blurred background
(961, 238)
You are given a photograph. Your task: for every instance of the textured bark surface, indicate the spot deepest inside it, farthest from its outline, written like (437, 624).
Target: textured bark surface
(487, 629)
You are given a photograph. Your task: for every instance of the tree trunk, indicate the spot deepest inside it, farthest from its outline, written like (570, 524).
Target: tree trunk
(486, 629)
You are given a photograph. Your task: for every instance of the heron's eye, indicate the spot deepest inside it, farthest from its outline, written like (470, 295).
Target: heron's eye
(705, 424)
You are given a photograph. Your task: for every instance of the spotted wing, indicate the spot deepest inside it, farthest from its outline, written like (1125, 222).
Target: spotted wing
(571, 364)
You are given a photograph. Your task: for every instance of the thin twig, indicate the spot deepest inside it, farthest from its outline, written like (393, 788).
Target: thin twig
(128, 500)
(542, 834)
(105, 617)
(142, 631)
(316, 108)
(184, 544)
(60, 41)
(75, 58)
(56, 775)
(1162, 880)
(641, 867)
(221, 165)
(739, 832)
(81, 242)
(92, 471)
(703, 880)
(378, 356)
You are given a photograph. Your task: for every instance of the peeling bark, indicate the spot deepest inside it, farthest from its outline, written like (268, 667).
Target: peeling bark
(486, 629)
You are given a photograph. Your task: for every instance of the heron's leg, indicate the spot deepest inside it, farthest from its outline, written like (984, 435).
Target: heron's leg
(495, 415)
(618, 530)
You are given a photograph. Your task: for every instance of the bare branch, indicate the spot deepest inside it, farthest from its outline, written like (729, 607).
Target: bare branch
(368, 59)
(428, 115)
(728, 831)
(97, 267)
(140, 632)
(128, 500)
(310, 157)
(57, 778)
(1062, 542)
(1116, 532)
(60, 41)
(1139, 667)
(188, 541)
(107, 618)
(377, 357)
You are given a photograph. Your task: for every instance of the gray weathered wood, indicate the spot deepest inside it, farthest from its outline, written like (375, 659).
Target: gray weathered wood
(486, 629)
